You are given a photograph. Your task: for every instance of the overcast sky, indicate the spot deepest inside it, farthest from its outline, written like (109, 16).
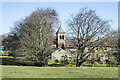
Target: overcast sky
(13, 11)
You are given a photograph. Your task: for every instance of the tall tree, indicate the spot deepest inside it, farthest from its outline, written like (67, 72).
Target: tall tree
(11, 42)
(112, 40)
(83, 27)
(36, 35)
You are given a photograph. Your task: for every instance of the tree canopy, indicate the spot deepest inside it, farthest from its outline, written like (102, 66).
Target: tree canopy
(84, 26)
(35, 34)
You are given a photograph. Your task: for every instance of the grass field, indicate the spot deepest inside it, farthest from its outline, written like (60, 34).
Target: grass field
(58, 72)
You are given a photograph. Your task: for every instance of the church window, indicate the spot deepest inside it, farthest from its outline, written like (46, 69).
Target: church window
(62, 36)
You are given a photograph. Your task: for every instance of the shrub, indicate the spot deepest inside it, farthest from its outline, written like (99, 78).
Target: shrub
(112, 63)
(101, 65)
(96, 63)
(87, 65)
(118, 65)
(8, 61)
(56, 61)
(64, 62)
(53, 64)
(11, 61)
(73, 60)
(49, 63)
(71, 65)
(24, 63)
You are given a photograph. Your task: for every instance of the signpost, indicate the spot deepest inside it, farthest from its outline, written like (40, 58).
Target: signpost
(2, 48)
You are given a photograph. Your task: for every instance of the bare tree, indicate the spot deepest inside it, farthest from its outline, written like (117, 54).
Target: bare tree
(112, 40)
(36, 35)
(83, 27)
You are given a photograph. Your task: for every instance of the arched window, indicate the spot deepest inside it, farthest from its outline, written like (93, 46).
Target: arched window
(62, 36)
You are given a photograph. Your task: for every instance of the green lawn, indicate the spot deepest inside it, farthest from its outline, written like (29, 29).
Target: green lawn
(58, 72)
(9, 70)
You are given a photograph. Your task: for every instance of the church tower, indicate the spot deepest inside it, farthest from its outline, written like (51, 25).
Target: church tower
(60, 38)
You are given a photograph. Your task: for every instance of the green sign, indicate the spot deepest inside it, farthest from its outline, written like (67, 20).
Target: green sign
(2, 48)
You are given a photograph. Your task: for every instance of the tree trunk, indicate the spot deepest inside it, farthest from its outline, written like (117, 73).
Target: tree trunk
(81, 58)
(77, 61)
(77, 64)
(81, 62)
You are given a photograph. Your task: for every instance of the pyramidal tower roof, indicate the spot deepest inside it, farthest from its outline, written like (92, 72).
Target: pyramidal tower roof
(60, 30)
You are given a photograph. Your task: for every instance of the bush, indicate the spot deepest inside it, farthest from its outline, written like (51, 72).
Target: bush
(56, 61)
(99, 61)
(101, 65)
(53, 64)
(112, 63)
(64, 62)
(87, 65)
(4, 53)
(24, 63)
(118, 65)
(73, 60)
(96, 63)
(71, 65)
(8, 61)
(11, 61)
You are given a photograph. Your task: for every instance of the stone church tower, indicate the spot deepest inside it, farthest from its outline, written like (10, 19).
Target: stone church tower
(60, 38)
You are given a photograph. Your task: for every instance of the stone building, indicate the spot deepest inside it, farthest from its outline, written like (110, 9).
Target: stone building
(67, 48)
(60, 38)
(59, 54)
(59, 50)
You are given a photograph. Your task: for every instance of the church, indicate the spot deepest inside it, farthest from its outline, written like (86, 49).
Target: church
(60, 50)
(66, 47)
(60, 38)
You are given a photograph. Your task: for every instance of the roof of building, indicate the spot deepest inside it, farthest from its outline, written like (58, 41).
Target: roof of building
(72, 43)
(60, 30)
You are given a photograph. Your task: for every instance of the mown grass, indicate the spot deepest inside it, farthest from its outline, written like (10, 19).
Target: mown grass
(58, 72)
